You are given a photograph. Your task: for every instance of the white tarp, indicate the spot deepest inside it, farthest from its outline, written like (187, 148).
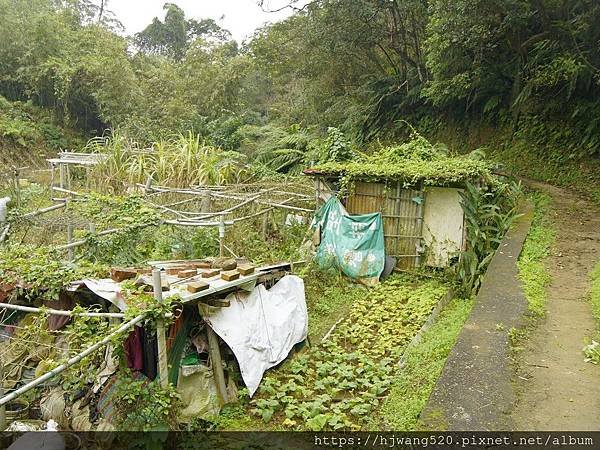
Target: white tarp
(262, 326)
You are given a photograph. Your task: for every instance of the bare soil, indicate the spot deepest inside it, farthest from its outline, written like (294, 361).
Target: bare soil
(558, 390)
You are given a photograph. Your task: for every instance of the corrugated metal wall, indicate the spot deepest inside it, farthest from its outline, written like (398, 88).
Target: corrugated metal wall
(402, 211)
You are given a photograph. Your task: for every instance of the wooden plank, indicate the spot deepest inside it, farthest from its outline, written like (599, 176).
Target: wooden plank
(217, 365)
(119, 274)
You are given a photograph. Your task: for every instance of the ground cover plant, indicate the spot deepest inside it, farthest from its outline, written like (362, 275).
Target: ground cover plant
(422, 367)
(359, 88)
(338, 383)
(414, 161)
(532, 271)
(591, 351)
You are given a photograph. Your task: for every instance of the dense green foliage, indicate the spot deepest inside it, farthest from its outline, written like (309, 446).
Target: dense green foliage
(489, 212)
(179, 161)
(362, 66)
(411, 162)
(39, 272)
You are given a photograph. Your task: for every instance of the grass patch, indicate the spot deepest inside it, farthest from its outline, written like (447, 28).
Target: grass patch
(329, 297)
(591, 350)
(532, 270)
(423, 365)
(582, 175)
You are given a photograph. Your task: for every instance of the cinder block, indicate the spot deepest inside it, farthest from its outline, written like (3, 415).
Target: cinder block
(187, 273)
(202, 265)
(210, 273)
(174, 270)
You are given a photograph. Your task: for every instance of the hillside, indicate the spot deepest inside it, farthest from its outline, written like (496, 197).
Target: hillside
(29, 134)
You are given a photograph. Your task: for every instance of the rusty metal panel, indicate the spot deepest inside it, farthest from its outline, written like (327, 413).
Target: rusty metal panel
(402, 217)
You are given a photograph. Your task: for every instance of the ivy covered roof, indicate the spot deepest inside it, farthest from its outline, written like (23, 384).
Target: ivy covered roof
(414, 161)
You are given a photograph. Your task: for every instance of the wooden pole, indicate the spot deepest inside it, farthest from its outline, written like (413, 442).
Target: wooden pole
(17, 187)
(52, 180)
(61, 170)
(265, 224)
(163, 368)
(148, 187)
(206, 201)
(68, 170)
(217, 365)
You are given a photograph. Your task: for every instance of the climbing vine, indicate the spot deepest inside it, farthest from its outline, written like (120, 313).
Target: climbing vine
(38, 271)
(145, 406)
(412, 162)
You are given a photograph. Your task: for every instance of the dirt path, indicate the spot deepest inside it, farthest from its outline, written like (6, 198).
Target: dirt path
(562, 392)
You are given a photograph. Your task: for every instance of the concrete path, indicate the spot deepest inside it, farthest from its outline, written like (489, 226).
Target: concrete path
(475, 392)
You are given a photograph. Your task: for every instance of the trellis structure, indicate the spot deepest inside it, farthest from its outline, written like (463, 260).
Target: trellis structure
(197, 206)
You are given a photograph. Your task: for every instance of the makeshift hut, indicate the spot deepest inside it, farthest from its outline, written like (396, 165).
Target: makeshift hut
(416, 188)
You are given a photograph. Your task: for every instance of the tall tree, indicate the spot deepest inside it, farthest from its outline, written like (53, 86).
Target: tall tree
(173, 36)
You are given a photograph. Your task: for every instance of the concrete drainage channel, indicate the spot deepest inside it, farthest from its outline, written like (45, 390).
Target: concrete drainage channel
(474, 391)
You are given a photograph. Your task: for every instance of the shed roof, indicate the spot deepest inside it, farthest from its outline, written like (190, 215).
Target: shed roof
(438, 172)
(411, 162)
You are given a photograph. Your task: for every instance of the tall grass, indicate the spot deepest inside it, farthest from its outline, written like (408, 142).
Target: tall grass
(181, 161)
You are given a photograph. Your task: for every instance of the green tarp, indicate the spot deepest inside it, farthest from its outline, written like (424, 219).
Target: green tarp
(352, 243)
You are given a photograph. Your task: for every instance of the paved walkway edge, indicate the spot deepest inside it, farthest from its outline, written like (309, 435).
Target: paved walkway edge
(474, 392)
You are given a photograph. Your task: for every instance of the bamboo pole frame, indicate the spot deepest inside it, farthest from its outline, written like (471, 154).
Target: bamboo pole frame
(44, 210)
(74, 360)
(59, 312)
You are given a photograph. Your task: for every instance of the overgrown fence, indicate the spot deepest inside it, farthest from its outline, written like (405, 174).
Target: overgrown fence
(220, 207)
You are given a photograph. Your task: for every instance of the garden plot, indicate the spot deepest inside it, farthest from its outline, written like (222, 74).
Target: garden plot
(338, 383)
